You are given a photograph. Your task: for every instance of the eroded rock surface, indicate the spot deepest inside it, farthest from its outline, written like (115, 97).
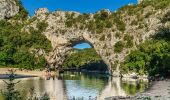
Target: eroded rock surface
(63, 37)
(8, 8)
(140, 25)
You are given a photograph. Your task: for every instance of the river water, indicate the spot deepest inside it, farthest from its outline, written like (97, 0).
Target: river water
(79, 85)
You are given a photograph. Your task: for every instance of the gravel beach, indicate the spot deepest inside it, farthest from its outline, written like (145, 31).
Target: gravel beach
(24, 73)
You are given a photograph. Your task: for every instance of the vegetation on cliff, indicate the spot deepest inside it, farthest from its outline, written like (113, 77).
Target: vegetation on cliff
(152, 56)
(134, 15)
(18, 48)
(103, 20)
(23, 13)
(117, 31)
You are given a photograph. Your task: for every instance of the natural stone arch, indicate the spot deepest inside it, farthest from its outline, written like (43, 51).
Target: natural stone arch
(60, 52)
(62, 36)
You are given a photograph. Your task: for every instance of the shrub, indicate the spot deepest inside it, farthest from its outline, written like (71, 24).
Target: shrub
(41, 26)
(129, 40)
(118, 47)
(166, 17)
(109, 24)
(91, 26)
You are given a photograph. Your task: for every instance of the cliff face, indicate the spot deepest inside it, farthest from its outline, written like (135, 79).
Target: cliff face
(8, 8)
(112, 34)
(63, 37)
(140, 1)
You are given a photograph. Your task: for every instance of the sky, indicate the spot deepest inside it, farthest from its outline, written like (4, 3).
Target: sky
(82, 6)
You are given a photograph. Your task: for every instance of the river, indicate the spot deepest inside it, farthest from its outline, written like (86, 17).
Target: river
(79, 85)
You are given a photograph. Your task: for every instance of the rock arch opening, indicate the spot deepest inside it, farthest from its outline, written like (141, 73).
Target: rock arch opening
(82, 45)
(83, 57)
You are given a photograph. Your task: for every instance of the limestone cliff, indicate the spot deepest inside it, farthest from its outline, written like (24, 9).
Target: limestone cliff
(106, 31)
(8, 8)
(140, 26)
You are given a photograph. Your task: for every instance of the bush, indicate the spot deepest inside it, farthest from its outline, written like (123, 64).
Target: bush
(166, 17)
(118, 47)
(109, 24)
(129, 41)
(121, 26)
(41, 26)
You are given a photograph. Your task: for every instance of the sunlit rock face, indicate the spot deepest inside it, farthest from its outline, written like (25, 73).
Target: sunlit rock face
(63, 37)
(140, 1)
(8, 8)
(140, 25)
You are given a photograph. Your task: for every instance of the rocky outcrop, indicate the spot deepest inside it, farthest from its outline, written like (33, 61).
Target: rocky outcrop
(140, 1)
(138, 23)
(8, 8)
(63, 37)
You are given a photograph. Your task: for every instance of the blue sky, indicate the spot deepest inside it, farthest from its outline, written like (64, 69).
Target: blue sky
(82, 46)
(82, 6)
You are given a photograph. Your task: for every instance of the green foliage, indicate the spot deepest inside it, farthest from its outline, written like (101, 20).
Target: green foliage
(70, 19)
(135, 62)
(118, 21)
(102, 15)
(23, 13)
(129, 41)
(166, 17)
(16, 46)
(152, 57)
(157, 4)
(103, 19)
(132, 89)
(69, 23)
(41, 26)
(87, 59)
(118, 47)
(91, 26)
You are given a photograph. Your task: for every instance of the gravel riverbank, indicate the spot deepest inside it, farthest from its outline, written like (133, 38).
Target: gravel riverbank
(24, 73)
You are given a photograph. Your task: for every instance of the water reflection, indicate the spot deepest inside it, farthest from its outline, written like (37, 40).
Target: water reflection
(80, 85)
